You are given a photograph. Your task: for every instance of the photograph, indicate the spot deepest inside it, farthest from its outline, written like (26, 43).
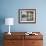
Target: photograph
(27, 15)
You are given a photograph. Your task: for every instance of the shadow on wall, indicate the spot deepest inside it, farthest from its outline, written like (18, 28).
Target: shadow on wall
(2, 21)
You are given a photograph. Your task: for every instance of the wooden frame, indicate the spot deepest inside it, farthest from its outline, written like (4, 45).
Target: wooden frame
(27, 15)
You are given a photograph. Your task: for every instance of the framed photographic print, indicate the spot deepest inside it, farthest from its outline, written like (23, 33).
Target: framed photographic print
(27, 16)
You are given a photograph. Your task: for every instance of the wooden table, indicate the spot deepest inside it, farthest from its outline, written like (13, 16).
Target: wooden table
(20, 39)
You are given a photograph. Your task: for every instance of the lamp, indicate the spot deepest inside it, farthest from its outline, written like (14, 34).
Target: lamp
(9, 21)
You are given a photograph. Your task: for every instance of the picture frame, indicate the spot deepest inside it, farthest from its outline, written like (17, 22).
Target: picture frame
(27, 15)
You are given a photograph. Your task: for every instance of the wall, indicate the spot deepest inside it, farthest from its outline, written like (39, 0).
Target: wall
(9, 8)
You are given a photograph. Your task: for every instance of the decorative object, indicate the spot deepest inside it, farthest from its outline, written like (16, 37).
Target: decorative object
(31, 33)
(27, 15)
(9, 21)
